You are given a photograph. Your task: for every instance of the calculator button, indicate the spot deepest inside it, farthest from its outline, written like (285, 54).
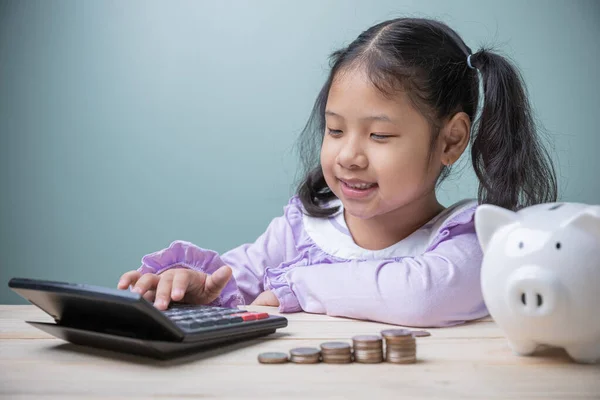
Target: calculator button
(247, 316)
(205, 322)
(262, 315)
(233, 311)
(229, 320)
(177, 317)
(188, 324)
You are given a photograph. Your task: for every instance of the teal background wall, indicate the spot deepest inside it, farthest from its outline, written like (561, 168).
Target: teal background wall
(125, 125)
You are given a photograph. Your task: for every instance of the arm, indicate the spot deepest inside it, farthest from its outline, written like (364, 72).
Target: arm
(438, 288)
(248, 261)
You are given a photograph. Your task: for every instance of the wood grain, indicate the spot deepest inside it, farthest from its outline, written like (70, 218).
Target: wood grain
(470, 361)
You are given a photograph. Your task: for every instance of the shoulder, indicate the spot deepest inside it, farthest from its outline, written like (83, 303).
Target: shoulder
(455, 227)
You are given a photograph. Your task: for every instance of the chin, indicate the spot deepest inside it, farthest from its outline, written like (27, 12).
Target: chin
(359, 212)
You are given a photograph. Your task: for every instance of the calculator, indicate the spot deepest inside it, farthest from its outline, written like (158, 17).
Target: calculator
(124, 321)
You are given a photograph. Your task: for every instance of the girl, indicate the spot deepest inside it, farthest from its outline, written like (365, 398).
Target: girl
(365, 236)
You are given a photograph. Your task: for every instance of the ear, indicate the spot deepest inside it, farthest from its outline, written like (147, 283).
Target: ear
(455, 137)
(488, 219)
(587, 219)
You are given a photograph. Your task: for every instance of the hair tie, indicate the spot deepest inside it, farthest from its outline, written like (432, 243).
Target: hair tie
(469, 62)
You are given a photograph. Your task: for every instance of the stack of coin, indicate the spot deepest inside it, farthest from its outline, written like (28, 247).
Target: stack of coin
(336, 352)
(305, 355)
(400, 346)
(368, 349)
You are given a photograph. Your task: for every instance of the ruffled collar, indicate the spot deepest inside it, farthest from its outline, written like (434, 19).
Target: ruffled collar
(333, 237)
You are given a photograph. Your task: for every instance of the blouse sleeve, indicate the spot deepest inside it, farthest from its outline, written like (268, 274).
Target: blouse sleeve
(248, 261)
(438, 288)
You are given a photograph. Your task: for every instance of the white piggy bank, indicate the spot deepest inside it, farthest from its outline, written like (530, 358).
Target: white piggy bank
(540, 276)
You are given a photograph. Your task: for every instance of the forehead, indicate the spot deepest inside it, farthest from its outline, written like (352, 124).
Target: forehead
(353, 93)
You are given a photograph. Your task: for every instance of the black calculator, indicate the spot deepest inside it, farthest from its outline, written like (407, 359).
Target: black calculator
(124, 321)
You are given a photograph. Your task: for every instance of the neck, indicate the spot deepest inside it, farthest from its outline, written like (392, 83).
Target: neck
(387, 229)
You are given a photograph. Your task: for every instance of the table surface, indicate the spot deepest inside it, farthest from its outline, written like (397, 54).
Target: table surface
(470, 361)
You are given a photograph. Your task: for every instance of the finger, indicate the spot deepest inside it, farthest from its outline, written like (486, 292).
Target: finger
(163, 292)
(145, 283)
(181, 282)
(216, 282)
(128, 278)
(150, 295)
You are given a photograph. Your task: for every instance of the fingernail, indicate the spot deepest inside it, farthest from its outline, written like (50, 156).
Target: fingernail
(121, 282)
(137, 290)
(178, 293)
(160, 303)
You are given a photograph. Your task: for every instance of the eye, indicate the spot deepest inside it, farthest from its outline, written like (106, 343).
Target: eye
(334, 132)
(380, 137)
(558, 245)
(521, 245)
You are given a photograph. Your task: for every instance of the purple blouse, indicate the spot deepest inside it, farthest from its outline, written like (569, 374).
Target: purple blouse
(430, 278)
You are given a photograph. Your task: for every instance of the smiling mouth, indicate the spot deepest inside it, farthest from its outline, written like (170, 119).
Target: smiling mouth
(358, 186)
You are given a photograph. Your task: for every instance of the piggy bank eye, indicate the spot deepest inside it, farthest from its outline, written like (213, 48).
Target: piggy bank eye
(521, 245)
(557, 245)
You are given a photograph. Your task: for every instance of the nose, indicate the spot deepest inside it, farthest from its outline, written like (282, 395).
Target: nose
(351, 155)
(533, 291)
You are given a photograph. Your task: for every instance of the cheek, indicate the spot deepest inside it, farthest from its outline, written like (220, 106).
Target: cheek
(399, 167)
(327, 157)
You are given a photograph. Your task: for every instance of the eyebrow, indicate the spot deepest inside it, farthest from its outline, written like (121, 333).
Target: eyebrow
(381, 117)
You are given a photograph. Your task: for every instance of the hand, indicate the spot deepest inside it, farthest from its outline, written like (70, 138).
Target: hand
(177, 284)
(266, 298)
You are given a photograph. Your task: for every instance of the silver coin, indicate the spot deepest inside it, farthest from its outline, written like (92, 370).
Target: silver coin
(304, 360)
(366, 338)
(420, 334)
(305, 351)
(404, 346)
(396, 333)
(335, 346)
(272, 358)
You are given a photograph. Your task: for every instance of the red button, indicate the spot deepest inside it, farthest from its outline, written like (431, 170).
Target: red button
(247, 316)
(262, 315)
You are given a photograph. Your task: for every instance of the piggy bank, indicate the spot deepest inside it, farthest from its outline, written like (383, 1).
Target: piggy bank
(540, 276)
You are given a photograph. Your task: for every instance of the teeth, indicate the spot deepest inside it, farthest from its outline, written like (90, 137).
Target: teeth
(361, 185)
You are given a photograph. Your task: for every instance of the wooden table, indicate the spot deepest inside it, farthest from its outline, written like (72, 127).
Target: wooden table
(471, 361)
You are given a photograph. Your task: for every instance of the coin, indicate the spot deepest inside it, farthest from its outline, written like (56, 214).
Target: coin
(392, 333)
(420, 334)
(304, 351)
(366, 338)
(367, 342)
(272, 358)
(336, 352)
(335, 347)
(305, 355)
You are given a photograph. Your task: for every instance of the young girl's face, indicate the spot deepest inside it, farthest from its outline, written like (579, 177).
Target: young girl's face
(375, 153)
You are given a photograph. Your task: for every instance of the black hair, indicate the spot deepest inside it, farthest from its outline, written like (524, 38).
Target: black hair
(428, 60)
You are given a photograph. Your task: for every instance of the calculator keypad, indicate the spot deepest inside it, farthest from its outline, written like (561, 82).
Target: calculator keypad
(195, 317)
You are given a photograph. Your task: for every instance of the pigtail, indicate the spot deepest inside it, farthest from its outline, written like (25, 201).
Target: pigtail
(513, 167)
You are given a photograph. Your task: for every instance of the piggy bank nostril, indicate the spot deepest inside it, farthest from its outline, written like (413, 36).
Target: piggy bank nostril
(523, 299)
(539, 300)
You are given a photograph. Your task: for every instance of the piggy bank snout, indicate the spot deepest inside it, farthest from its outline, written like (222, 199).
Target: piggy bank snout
(533, 291)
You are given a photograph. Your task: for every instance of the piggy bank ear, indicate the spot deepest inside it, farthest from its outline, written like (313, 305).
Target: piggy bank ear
(488, 219)
(587, 219)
